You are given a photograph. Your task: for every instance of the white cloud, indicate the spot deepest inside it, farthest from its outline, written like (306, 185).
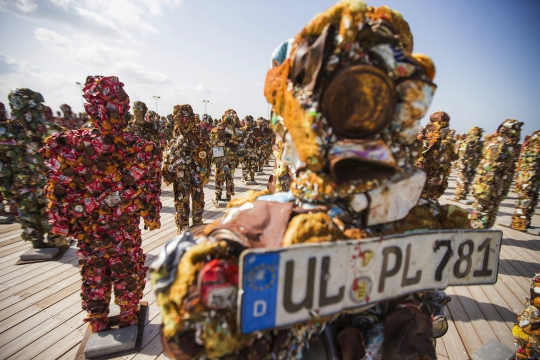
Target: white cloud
(86, 52)
(17, 74)
(21, 6)
(125, 18)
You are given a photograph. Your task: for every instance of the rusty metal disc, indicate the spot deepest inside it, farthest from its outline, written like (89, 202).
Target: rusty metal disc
(359, 102)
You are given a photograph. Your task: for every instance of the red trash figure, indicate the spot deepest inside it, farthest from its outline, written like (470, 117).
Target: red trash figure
(101, 181)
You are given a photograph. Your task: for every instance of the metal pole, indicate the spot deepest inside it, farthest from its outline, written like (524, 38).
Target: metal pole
(157, 98)
(82, 101)
(205, 113)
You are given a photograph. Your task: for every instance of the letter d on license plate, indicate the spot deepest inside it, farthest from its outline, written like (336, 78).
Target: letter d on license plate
(281, 287)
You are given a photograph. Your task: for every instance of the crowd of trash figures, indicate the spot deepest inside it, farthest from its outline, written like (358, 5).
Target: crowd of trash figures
(339, 175)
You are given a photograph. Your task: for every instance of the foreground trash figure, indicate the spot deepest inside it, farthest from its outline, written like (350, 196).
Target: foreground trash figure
(437, 157)
(527, 331)
(225, 138)
(349, 61)
(469, 155)
(281, 181)
(101, 181)
(22, 177)
(252, 137)
(527, 182)
(185, 165)
(491, 183)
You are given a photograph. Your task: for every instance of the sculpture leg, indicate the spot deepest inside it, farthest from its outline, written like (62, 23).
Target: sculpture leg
(197, 199)
(219, 178)
(34, 220)
(229, 179)
(96, 286)
(128, 278)
(181, 203)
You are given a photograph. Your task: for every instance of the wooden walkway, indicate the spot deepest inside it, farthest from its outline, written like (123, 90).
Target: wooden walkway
(41, 316)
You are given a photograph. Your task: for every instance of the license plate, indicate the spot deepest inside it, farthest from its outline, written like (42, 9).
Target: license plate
(217, 151)
(286, 286)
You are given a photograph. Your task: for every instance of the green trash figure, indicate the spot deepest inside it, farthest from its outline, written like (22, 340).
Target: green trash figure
(22, 178)
(492, 175)
(469, 153)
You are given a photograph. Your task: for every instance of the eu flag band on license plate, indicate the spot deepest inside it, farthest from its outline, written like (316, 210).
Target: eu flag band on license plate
(286, 286)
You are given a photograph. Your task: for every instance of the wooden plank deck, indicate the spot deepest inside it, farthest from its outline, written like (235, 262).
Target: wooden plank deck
(41, 315)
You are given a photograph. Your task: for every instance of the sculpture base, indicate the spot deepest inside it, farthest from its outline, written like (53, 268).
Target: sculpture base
(222, 203)
(493, 350)
(6, 219)
(44, 254)
(114, 342)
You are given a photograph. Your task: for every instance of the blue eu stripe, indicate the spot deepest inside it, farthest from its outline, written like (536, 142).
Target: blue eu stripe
(260, 283)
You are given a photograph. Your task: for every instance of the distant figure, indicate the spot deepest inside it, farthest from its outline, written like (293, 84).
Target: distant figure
(185, 165)
(225, 138)
(469, 155)
(437, 157)
(492, 173)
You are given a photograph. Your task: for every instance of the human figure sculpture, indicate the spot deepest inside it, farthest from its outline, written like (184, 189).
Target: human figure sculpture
(225, 138)
(251, 138)
(68, 120)
(527, 183)
(198, 272)
(267, 141)
(492, 173)
(205, 131)
(101, 181)
(469, 155)
(185, 165)
(437, 157)
(8, 210)
(145, 123)
(169, 127)
(23, 171)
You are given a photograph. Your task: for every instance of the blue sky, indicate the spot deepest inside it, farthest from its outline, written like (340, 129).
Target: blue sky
(486, 52)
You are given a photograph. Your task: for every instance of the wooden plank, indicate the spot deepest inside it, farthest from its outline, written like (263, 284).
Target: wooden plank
(466, 330)
(440, 349)
(489, 323)
(454, 345)
(518, 287)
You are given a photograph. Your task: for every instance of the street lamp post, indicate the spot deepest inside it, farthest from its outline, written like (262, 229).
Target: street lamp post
(205, 102)
(157, 98)
(82, 101)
